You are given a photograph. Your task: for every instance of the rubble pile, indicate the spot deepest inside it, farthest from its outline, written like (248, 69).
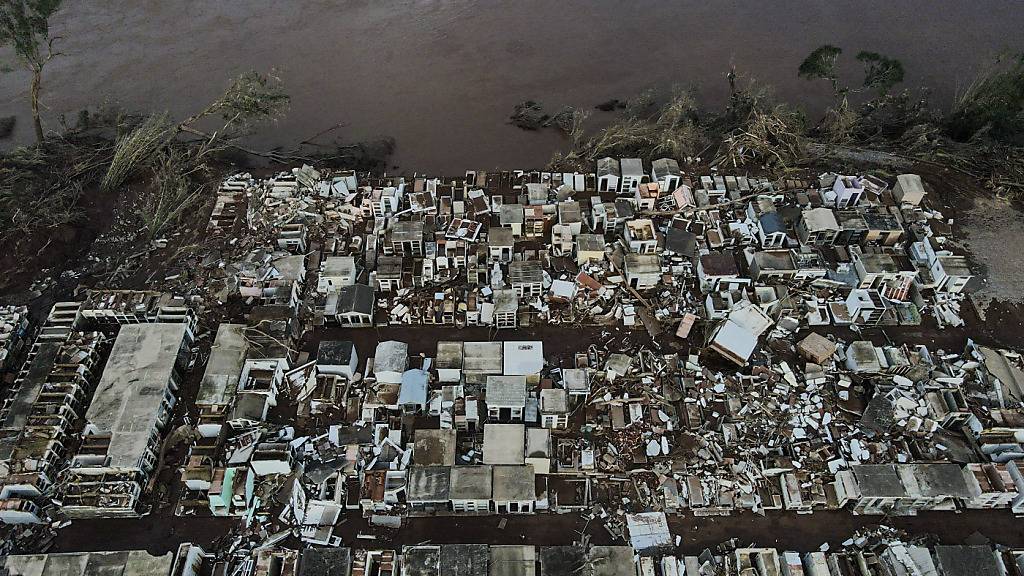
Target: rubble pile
(636, 346)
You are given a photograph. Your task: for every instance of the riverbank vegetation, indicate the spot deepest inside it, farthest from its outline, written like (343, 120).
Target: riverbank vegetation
(981, 134)
(150, 171)
(142, 174)
(179, 172)
(149, 162)
(753, 128)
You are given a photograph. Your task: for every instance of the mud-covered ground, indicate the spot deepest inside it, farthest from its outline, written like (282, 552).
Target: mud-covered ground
(994, 230)
(987, 228)
(990, 231)
(787, 531)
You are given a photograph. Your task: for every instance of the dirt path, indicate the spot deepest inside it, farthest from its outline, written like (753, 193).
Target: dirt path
(786, 531)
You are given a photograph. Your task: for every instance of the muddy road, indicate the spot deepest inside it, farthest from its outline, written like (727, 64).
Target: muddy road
(784, 530)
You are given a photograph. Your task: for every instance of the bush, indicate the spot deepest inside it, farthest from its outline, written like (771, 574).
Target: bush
(992, 104)
(137, 149)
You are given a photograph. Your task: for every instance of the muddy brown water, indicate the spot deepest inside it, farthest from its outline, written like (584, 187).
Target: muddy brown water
(441, 77)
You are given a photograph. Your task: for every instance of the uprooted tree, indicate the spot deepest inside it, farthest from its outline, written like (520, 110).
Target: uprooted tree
(177, 165)
(756, 129)
(25, 27)
(644, 130)
(157, 168)
(172, 193)
(250, 99)
(880, 72)
(753, 130)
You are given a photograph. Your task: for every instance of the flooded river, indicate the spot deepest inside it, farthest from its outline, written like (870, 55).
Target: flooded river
(441, 77)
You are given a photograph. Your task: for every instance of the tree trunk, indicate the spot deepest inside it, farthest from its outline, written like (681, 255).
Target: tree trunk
(37, 77)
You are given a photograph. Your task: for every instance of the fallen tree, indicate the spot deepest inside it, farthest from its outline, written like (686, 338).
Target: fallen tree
(671, 130)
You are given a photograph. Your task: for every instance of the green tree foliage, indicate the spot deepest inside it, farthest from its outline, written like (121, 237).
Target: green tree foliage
(821, 64)
(25, 26)
(841, 124)
(880, 72)
(892, 114)
(251, 98)
(157, 168)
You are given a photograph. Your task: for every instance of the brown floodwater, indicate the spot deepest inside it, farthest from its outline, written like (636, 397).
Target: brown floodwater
(441, 77)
